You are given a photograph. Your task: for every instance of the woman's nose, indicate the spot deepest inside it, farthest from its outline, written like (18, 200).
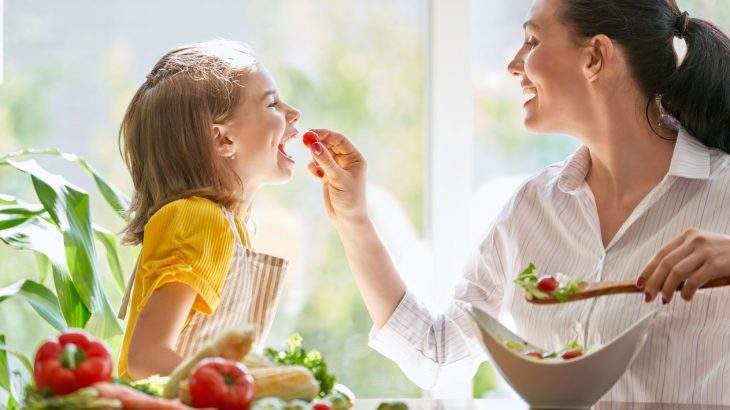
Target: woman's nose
(517, 65)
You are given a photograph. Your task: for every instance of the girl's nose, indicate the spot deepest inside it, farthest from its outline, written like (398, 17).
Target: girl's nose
(293, 115)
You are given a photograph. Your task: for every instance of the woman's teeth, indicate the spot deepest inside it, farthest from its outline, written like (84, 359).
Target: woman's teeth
(528, 94)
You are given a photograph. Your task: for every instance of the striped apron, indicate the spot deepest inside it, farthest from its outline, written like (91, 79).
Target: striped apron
(250, 295)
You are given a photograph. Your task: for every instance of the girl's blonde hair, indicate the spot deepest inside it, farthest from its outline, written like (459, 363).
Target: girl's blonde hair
(165, 136)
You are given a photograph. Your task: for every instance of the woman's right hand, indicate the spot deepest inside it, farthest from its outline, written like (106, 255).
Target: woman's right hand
(342, 170)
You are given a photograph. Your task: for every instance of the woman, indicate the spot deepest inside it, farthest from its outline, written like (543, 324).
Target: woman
(604, 71)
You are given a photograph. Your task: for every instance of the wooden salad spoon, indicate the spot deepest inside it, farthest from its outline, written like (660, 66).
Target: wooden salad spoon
(595, 289)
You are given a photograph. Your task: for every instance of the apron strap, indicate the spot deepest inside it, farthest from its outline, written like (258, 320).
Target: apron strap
(128, 291)
(231, 219)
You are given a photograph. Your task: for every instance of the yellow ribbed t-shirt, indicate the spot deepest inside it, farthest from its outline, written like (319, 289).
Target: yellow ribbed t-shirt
(187, 241)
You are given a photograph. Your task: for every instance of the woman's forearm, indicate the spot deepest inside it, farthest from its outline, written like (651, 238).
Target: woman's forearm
(376, 276)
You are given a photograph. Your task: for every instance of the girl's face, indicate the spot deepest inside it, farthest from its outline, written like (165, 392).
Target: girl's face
(254, 139)
(549, 64)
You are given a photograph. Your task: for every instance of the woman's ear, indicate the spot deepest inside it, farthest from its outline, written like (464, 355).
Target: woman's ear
(599, 53)
(224, 146)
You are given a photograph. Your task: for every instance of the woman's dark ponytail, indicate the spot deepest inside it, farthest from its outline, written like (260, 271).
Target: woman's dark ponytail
(695, 92)
(698, 92)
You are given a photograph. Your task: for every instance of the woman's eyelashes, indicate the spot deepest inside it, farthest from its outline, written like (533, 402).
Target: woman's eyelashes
(530, 42)
(274, 104)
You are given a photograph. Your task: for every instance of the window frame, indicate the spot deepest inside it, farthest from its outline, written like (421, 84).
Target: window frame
(449, 148)
(2, 41)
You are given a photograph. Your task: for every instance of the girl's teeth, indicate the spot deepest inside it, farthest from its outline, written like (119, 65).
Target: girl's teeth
(281, 150)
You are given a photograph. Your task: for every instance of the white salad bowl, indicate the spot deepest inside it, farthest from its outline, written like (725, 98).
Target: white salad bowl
(542, 383)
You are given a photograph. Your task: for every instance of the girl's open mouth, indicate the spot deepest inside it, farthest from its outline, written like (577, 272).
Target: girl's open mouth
(284, 154)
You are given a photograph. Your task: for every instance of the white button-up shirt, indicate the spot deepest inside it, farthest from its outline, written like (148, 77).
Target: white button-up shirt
(552, 221)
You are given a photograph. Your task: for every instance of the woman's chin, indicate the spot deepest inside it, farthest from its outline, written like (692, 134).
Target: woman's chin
(534, 123)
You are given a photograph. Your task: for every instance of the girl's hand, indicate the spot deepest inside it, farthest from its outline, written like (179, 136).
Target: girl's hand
(695, 257)
(342, 170)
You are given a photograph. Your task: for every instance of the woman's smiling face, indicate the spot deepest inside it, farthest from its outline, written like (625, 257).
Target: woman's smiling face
(549, 64)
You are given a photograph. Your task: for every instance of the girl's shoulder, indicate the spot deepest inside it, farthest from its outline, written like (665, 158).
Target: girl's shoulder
(187, 240)
(188, 218)
(192, 209)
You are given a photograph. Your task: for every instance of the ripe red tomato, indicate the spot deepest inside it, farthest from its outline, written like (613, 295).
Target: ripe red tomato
(322, 405)
(220, 383)
(548, 284)
(572, 354)
(309, 138)
(536, 355)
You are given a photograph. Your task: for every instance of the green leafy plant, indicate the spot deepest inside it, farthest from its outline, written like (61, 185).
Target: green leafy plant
(61, 234)
(297, 354)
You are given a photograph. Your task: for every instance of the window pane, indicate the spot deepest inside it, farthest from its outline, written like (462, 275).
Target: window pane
(506, 152)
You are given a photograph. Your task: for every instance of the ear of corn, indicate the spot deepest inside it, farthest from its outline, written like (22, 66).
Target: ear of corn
(285, 382)
(254, 360)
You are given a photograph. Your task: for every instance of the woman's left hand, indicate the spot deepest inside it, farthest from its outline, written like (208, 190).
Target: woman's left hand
(695, 257)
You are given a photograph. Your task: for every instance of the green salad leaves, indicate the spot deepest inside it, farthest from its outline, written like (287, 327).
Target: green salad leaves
(529, 281)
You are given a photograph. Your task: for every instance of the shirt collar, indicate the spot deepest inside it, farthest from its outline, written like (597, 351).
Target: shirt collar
(574, 170)
(691, 159)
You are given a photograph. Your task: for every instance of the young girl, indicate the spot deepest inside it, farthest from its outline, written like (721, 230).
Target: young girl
(201, 135)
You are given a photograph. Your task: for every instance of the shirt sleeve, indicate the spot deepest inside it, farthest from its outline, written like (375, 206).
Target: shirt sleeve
(187, 241)
(445, 348)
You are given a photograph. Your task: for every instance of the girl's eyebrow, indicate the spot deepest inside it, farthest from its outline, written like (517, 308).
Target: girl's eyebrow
(268, 93)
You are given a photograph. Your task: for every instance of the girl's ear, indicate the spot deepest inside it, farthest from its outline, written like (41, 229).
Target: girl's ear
(224, 146)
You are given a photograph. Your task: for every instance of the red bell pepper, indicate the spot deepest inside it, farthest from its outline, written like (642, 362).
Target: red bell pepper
(70, 363)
